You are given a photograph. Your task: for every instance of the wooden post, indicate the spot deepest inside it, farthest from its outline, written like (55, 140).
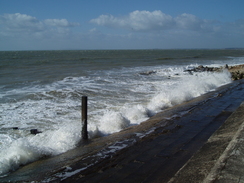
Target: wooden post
(34, 131)
(84, 118)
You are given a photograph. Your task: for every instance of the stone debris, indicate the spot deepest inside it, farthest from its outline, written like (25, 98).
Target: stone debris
(237, 72)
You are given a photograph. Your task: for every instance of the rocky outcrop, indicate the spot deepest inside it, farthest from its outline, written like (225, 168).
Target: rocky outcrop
(237, 72)
(237, 75)
(201, 68)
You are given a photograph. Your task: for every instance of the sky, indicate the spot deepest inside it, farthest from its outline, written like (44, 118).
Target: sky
(121, 24)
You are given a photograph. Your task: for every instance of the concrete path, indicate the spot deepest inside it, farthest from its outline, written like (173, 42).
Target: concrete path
(221, 159)
(160, 150)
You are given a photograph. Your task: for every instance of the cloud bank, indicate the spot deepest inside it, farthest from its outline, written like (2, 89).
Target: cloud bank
(21, 32)
(137, 30)
(21, 22)
(151, 21)
(183, 31)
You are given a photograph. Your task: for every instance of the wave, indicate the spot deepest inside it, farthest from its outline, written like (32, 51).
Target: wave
(30, 148)
(168, 95)
(189, 87)
(116, 101)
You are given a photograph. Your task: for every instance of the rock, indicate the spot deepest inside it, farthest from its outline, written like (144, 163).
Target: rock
(237, 75)
(148, 73)
(34, 131)
(201, 68)
(237, 71)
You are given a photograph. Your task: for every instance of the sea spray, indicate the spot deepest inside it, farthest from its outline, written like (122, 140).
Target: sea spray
(64, 135)
(32, 147)
(46, 95)
(189, 86)
(170, 94)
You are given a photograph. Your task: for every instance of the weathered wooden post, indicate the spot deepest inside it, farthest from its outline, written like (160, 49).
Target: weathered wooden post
(84, 118)
(34, 131)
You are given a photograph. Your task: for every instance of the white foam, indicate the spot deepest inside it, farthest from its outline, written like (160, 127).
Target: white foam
(115, 101)
(187, 88)
(136, 114)
(30, 148)
(112, 122)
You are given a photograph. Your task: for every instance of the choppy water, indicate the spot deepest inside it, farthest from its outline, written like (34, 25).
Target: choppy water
(43, 90)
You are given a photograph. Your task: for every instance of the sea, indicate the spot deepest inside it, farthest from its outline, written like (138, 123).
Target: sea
(43, 90)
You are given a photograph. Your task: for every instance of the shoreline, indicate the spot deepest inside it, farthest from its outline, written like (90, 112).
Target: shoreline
(126, 138)
(83, 158)
(236, 71)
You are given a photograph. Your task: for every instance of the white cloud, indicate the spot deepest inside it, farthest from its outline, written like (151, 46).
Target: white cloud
(21, 31)
(23, 23)
(20, 22)
(137, 20)
(146, 30)
(145, 20)
(188, 21)
(158, 30)
(149, 21)
(60, 23)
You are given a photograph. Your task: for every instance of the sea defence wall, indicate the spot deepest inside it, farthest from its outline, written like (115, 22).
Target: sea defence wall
(164, 143)
(221, 159)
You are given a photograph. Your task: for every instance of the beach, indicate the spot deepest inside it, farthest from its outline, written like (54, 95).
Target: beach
(161, 149)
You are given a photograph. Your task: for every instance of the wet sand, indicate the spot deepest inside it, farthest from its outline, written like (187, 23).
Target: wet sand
(151, 152)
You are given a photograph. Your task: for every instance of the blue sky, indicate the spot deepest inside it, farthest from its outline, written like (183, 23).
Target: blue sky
(120, 24)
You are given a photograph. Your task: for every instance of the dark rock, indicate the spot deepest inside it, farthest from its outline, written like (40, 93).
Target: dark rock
(34, 131)
(201, 68)
(148, 73)
(237, 75)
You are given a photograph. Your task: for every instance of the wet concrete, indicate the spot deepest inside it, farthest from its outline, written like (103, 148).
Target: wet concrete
(151, 152)
(221, 159)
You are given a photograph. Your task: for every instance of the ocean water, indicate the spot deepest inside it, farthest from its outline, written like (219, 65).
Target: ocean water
(43, 89)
